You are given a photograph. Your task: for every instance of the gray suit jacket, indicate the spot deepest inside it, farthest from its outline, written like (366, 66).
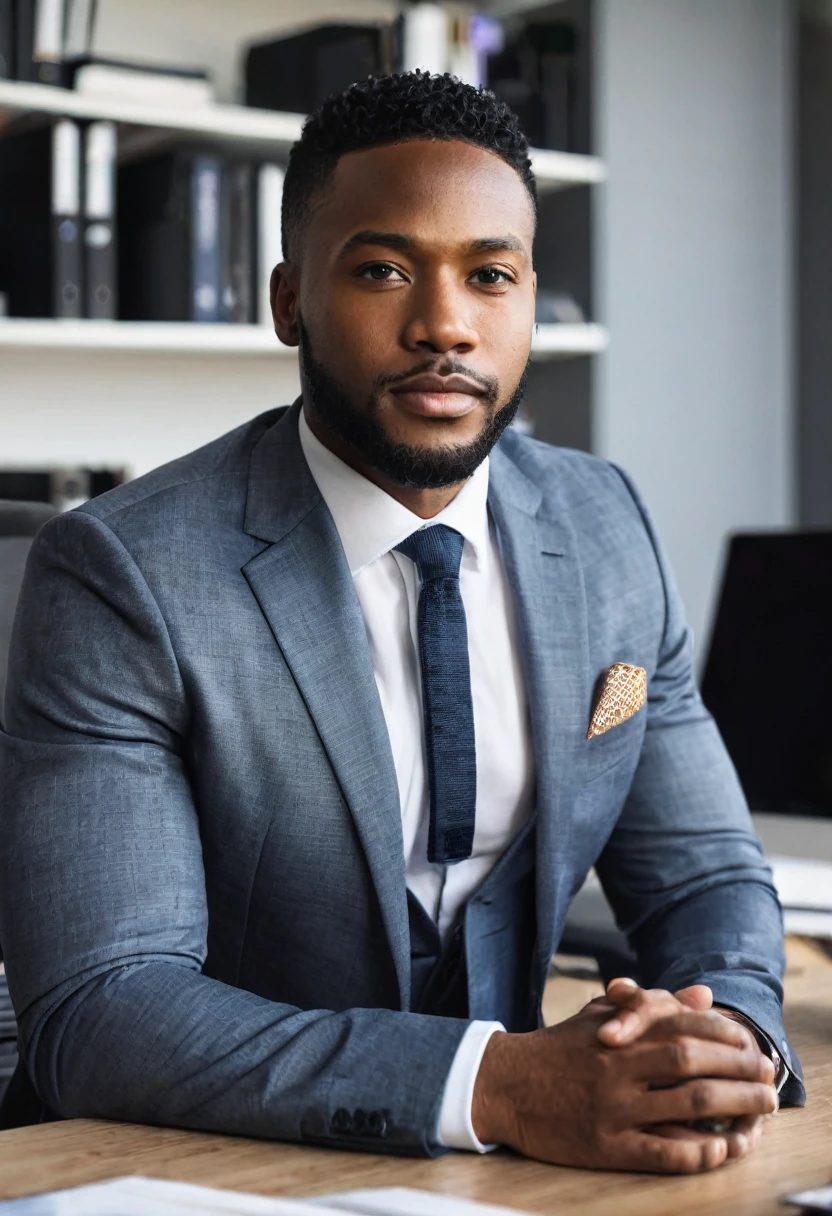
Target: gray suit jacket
(202, 883)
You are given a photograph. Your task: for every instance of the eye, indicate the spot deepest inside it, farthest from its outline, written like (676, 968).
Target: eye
(380, 272)
(492, 276)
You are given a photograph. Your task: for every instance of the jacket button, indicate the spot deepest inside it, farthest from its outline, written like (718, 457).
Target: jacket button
(377, 1123)
(341, 1121)
(359, 1122)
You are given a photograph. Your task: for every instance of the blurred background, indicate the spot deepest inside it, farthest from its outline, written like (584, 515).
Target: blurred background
(686, 180)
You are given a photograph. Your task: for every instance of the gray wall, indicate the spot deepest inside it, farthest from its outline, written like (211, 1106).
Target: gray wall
(814, 343)
(692, 255)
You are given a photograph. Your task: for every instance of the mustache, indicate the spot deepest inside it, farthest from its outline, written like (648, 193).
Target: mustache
(442, 367)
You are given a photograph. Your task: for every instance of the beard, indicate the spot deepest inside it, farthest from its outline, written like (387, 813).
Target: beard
(412, 465)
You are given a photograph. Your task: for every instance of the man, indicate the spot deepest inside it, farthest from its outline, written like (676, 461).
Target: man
(297, 778)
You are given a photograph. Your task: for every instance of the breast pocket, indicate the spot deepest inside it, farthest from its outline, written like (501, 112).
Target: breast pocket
(614, 748)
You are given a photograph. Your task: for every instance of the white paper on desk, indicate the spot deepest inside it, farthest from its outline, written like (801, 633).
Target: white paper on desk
(808, 924)
(404, 1201)
(812, 1201)
(156, 1197)
(803, 884)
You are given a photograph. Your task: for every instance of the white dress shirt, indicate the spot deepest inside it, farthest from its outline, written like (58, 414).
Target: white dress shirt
(370, 523)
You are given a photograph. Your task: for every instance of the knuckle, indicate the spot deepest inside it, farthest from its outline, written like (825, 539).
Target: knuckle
(747, 1040)
(700, 1096)
(683, 1056)
(607, 1065)
(694, 1158)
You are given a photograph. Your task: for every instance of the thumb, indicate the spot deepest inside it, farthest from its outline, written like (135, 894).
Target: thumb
(697, 996)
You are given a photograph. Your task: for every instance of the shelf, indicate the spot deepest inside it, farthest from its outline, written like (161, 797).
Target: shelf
(550, 341)
(263, 130)
(566, 341)
(559, 170)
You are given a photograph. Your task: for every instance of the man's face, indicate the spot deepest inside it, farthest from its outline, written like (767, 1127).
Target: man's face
(413, 305)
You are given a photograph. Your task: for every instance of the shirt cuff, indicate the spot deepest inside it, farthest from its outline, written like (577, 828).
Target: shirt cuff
(455, 1127)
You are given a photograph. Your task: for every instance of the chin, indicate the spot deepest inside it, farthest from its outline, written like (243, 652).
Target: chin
(435, 433)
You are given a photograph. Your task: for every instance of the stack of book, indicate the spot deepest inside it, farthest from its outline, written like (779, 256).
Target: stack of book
(50, 41)
(186, 234)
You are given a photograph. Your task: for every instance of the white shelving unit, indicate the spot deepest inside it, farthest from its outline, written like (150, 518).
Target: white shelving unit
(135, 394)
(160, 337)
(267, 130)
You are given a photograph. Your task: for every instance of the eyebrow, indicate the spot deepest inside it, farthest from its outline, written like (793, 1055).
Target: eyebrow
(398, 240)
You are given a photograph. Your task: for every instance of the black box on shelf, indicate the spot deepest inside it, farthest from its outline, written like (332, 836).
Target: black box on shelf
(534, 74)
(296, 73)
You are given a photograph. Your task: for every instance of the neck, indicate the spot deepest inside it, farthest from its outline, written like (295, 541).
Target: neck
(424, 503)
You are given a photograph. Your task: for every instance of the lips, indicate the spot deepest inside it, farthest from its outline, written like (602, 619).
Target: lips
(433, 396)
(432, 383)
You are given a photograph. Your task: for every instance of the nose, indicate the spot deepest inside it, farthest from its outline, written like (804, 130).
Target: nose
(440, 318)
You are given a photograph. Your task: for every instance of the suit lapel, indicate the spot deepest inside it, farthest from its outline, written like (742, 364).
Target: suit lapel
(543, 570)
(305, 590)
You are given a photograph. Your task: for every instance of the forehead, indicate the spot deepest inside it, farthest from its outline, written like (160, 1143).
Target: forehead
(437, 191)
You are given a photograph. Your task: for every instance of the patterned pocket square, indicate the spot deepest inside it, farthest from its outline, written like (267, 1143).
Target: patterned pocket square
(622, 690)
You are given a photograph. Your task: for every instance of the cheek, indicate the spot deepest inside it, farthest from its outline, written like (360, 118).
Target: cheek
(358, 337)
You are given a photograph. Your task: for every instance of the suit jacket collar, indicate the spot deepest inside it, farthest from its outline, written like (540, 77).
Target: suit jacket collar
(281, 490)
(542, 564)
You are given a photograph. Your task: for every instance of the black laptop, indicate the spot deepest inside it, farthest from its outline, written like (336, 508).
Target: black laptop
(768, 676)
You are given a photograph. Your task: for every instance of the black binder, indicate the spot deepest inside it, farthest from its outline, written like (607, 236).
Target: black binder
(39, 37)
(40, 245)
(237, 227)
(169, 246)
(99, 221)
(7, 40)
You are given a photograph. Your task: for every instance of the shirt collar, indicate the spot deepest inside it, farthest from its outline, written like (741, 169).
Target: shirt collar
(370, 523)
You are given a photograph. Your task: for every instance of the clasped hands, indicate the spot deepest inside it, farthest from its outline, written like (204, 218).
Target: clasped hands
(619, 1085)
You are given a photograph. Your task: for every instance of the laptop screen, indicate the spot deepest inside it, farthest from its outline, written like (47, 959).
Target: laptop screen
(768, 677)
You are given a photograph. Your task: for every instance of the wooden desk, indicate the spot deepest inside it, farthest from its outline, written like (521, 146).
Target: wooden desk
(796, 1150)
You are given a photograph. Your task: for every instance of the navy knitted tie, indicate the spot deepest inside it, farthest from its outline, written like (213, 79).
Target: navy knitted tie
(446, 692)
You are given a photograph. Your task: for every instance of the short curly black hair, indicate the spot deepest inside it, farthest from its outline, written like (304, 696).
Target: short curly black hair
(390, 110)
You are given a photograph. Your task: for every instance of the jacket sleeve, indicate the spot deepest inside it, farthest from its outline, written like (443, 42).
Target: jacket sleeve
(683, 869)
(103, 913)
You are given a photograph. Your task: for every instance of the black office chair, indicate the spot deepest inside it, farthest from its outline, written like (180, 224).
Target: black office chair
(19, 521)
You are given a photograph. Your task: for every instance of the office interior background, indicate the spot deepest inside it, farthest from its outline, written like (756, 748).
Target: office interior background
(684, 240)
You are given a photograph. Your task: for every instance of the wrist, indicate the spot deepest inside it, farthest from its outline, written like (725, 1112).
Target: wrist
(490, 1104)
(766, 1046)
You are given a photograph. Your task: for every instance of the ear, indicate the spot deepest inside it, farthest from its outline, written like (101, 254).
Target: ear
(283, 294)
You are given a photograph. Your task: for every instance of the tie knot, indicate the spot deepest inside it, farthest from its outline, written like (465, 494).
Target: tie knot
(437, 551)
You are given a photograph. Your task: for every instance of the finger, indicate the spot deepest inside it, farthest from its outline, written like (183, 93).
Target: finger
(696, 996)
(681, 1059)
(745, 1135)
(740, 1140)
(705, 1098)
(623, 985)
(685, 1153)
(639, 1008)
(705, 1024)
